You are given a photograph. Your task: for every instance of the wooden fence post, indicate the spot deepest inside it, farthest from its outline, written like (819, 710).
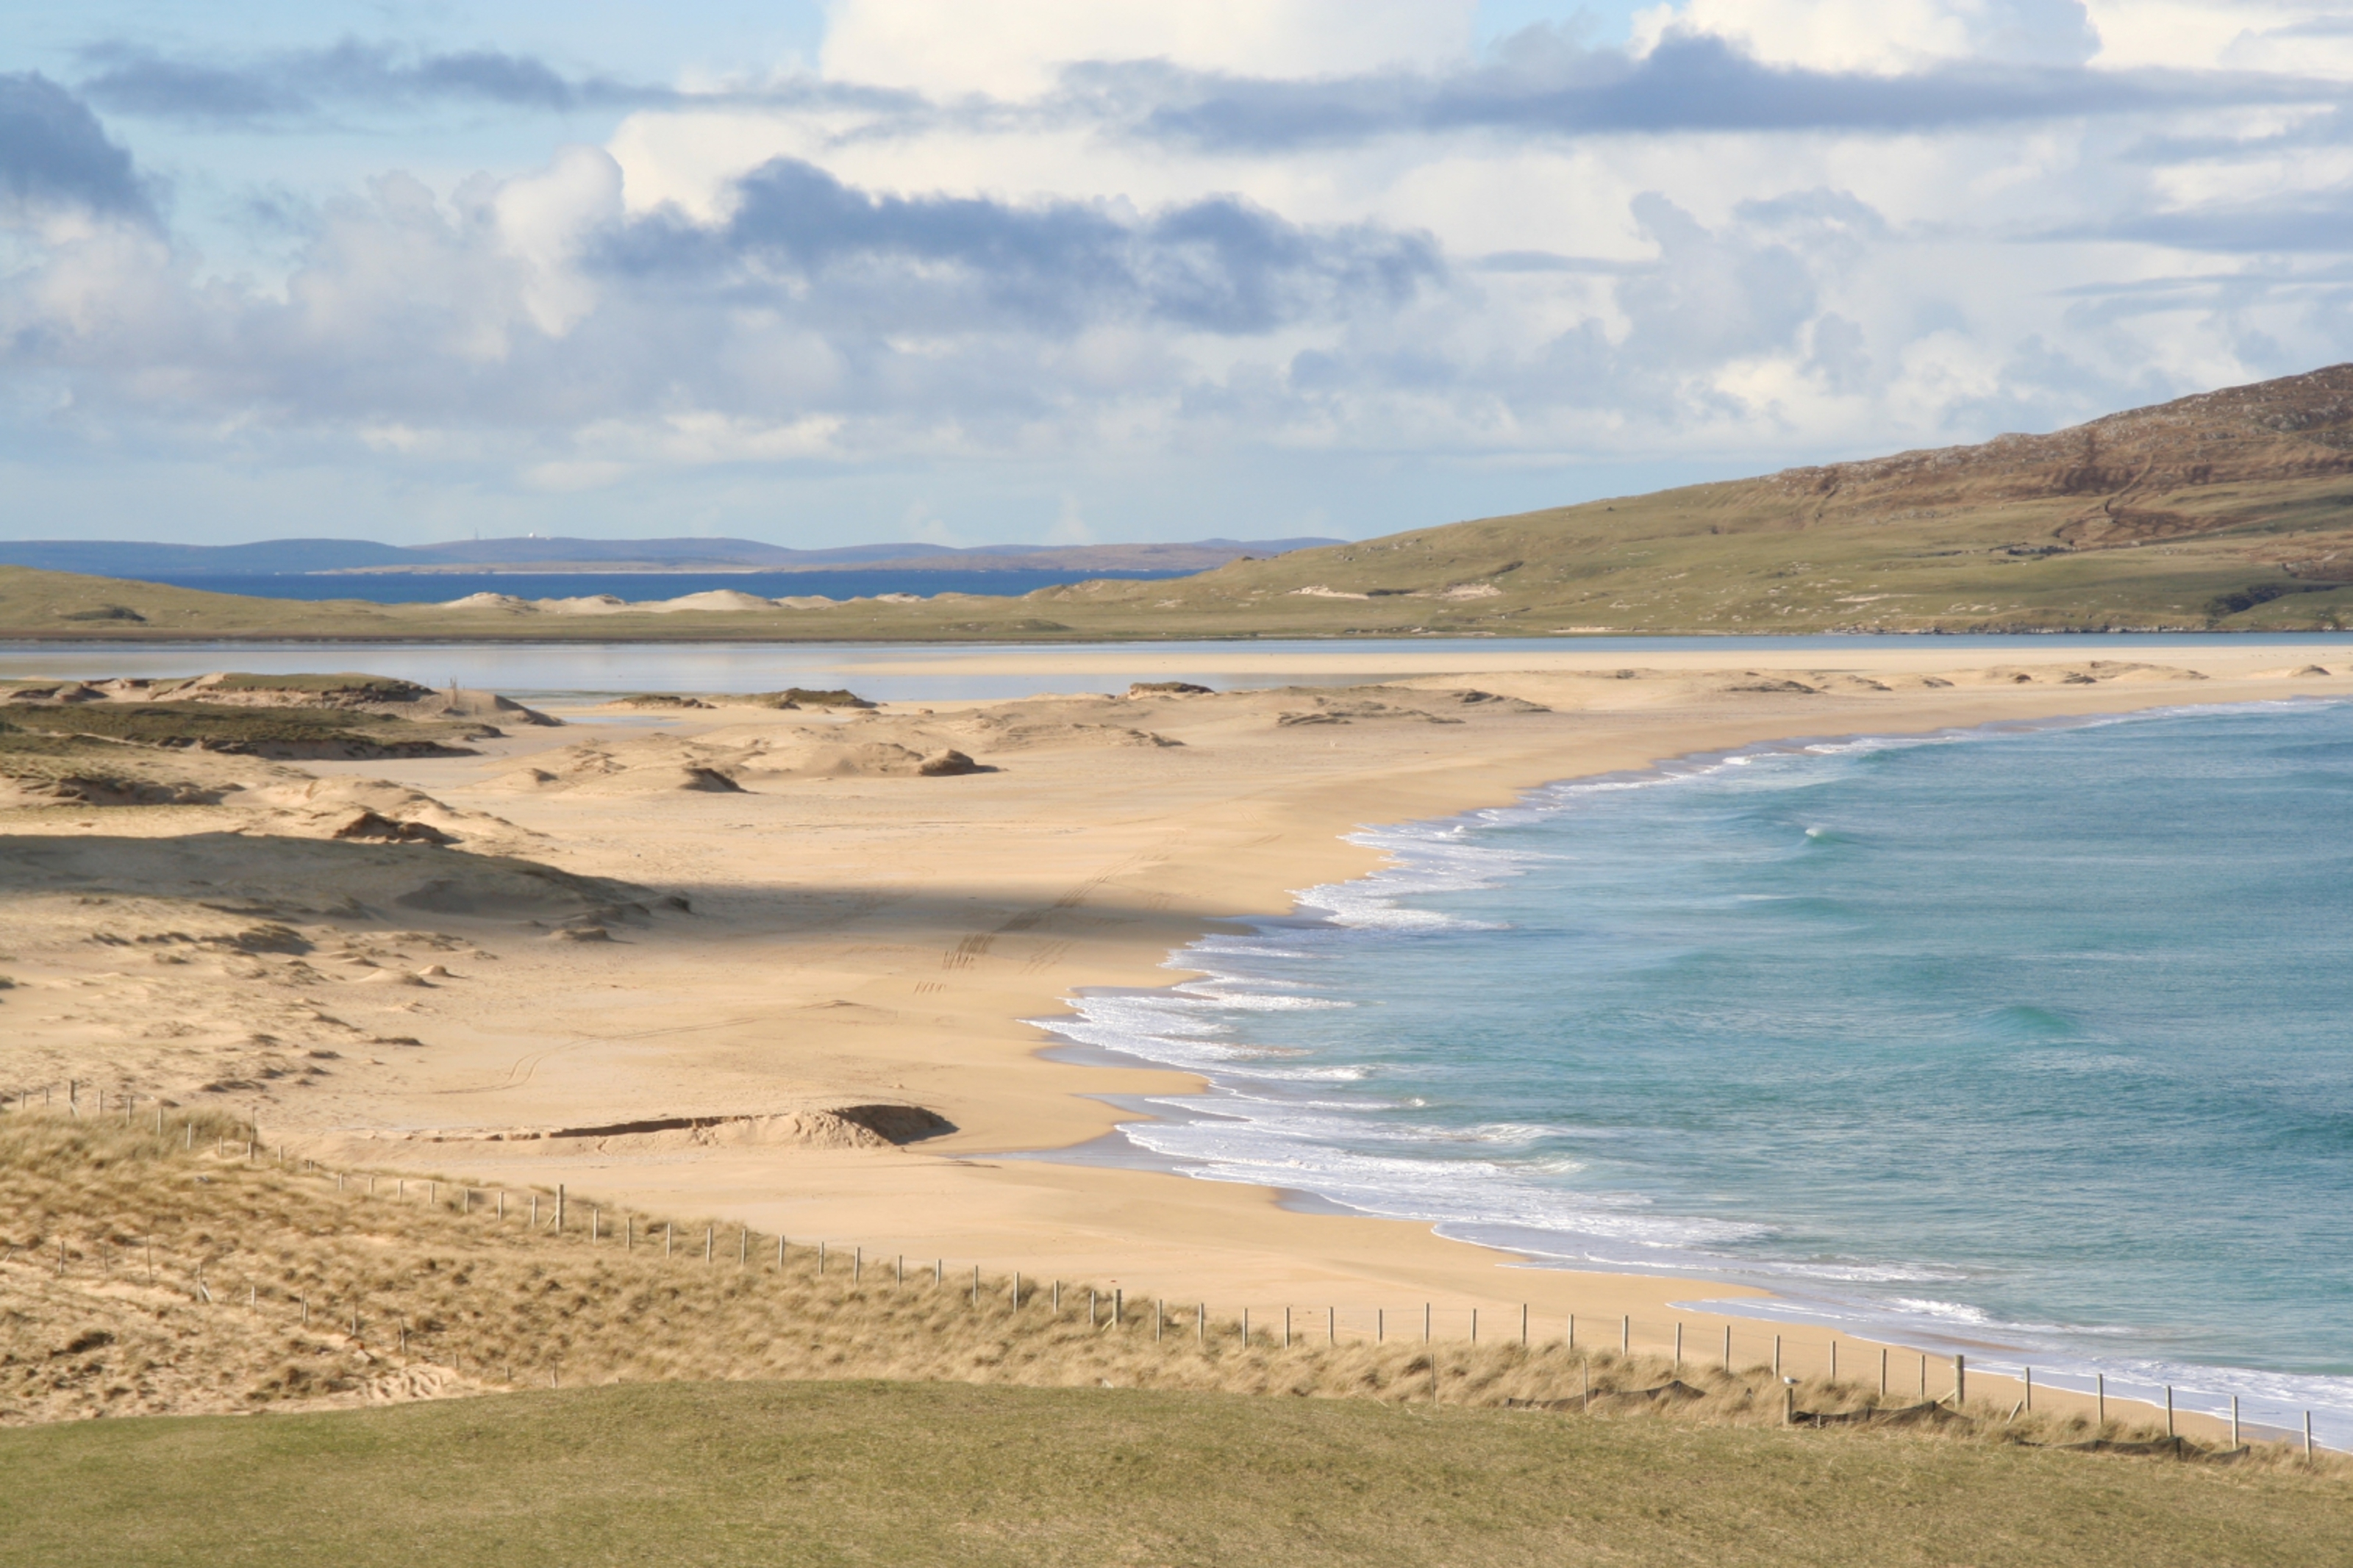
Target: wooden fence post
(1960, 1381)
(1626, 1335)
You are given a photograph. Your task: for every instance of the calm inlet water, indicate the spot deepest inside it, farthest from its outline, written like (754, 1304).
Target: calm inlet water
(2041, 1039)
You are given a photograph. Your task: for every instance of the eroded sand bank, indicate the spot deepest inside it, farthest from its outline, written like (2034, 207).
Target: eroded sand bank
(773, 966)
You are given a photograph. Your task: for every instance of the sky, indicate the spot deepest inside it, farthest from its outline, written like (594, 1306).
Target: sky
(834, 271)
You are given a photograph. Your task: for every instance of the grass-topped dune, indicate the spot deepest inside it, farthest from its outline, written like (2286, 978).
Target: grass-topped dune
(135, 742)
(680, 1395)
(2230, 509)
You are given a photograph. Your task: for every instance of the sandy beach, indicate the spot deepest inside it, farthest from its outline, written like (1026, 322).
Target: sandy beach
(832, 941)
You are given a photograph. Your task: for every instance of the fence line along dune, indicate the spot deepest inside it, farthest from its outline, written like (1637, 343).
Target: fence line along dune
(158, 1262)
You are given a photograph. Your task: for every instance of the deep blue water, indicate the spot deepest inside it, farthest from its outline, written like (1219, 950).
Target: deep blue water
(434, 587)
(2031, 1038)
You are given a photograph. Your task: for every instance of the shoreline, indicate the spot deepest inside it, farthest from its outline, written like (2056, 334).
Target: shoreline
(2211, 1388)
(882, 940)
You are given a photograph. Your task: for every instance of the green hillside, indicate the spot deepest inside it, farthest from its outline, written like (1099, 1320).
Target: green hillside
(2232, 510)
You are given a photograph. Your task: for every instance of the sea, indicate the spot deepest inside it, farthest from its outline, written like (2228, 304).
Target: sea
(439, 587)
(2030, 1042)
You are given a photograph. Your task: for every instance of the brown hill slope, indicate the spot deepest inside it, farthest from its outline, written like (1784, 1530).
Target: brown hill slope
(2146, 474)
(2230, 509)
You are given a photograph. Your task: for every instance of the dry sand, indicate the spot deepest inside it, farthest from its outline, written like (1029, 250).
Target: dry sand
(864, 933)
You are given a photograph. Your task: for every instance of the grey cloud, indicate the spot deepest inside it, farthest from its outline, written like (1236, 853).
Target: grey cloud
(2312, 27)
(2302, 222)
(1708, 297)
(130, 79)
(1549, 261)
(142, 84)
(2331, 128)
(306, 84)
(1539, 82)
(1713, 296)
(1690, 82)
(53, 150)
(1821, 210)
(895, 317)
(1220, 265)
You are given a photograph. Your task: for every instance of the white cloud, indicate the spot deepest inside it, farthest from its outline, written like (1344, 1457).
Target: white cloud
(2292, 36)
(544, 219)
(951, 46)
(1403, 273)
(1884, 35)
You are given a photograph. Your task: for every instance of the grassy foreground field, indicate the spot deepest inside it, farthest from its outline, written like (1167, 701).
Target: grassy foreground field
(938, 1473)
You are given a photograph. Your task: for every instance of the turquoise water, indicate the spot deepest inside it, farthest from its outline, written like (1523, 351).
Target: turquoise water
(2039, 1039)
